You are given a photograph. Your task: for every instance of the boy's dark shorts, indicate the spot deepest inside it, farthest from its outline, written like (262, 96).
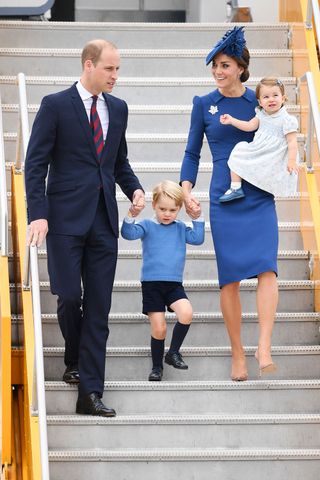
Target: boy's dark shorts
(156, 296)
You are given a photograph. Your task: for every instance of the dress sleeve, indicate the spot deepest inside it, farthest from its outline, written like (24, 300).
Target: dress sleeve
(290, 124)
(258, 113)
(190, 163)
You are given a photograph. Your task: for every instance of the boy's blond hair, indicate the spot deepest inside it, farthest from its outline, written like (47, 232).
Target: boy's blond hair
(168, 189)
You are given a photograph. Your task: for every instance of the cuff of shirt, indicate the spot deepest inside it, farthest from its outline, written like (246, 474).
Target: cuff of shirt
(129, 219)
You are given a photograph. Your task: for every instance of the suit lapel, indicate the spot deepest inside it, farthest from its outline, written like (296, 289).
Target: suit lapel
(83, 118)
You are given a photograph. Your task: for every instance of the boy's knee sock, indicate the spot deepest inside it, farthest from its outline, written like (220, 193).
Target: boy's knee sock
(157, 351)
(180, 330)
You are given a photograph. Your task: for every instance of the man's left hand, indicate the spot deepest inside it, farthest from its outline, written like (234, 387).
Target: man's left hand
(138, 202)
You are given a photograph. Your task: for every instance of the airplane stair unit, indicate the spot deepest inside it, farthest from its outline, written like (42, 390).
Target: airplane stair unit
(196, 424)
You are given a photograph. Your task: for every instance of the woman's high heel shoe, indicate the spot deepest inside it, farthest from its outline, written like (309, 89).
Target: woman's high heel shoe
(270, 368)
(241, 377)
(263, 369)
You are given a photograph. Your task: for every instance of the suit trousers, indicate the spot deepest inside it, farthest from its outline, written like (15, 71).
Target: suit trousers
(81, 271)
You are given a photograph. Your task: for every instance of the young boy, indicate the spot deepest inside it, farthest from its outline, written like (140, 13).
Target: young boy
(163, 258)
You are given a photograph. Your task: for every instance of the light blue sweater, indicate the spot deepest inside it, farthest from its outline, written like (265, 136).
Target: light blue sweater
(163, 246)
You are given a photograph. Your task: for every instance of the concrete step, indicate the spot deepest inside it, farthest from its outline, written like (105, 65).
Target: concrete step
(134, 363)
(187, 464)
(187, 431)
(208, 329)
(295, 296)
(150, 173)
(152, 62)
(136, 35)
(202, 397)
(199, 264)
(142, 118)
(147, 148)
(288, 208)
(289, 237)
(152, 90)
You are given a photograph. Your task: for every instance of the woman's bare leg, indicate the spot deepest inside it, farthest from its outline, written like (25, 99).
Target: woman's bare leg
(267, 301)
(231, 311)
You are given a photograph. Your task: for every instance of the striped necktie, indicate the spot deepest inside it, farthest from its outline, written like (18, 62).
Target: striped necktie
(95, 125)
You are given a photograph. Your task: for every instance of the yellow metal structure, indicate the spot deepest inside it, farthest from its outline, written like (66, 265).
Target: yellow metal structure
(305, 58)
(28, 427)
(5, 319)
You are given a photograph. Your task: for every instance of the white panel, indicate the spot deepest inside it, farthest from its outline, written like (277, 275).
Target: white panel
(22, 3)
(215, 10)
(107, 5)
(165, 4)
(261, 10)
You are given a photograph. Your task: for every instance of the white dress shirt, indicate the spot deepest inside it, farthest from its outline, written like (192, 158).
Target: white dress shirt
(102, 108)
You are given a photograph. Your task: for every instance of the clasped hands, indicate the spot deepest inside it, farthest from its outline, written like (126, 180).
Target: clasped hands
(138, 203)
(192, 206)
(38, 229)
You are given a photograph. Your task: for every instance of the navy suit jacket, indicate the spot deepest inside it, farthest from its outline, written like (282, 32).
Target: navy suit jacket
(62, 141)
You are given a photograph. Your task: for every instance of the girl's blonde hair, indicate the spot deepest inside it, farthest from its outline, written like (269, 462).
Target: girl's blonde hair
(168, 189)
(270, 82)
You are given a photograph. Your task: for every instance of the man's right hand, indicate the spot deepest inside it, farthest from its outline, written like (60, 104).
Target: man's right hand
(37, 231)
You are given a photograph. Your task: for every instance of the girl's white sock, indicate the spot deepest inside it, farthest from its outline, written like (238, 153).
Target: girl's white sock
(235, 185)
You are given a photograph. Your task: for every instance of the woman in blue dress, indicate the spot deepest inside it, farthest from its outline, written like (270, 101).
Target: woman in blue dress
(245, 232)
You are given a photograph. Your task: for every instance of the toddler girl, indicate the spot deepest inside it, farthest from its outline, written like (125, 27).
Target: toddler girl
(270, 161)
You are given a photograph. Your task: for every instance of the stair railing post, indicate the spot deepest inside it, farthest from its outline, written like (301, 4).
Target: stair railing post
(31, 280)
(3, 192)
(39, 371)
(313, 119)
(23, 133)
(313, 17)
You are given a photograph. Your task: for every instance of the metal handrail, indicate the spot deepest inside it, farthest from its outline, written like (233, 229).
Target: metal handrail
(41, 399)
(313, 119)
(23, 132)
(31, 270)
(313, 13)
(3, 193)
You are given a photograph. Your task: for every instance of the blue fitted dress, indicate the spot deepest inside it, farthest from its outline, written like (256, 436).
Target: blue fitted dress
(245, 231)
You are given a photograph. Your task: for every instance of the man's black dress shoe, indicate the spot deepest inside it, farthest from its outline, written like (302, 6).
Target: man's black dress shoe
(175, 359)
(156, 374)
(71, 374)
(92, 405)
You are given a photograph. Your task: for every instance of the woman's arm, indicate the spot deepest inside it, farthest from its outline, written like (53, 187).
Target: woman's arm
(192, 205)
(249, 126)
(190, 163)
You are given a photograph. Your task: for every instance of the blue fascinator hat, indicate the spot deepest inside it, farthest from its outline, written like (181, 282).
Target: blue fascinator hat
(231, 44)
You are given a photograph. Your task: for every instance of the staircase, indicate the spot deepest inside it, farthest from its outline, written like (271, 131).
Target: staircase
(197, 424)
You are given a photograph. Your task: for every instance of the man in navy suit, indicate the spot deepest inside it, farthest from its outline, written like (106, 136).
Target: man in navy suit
(77, 211)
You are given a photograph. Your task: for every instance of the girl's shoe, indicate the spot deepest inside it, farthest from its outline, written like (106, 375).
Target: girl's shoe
(231, 195)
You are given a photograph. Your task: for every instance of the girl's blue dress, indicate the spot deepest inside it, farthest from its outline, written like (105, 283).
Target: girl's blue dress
(245, 231)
